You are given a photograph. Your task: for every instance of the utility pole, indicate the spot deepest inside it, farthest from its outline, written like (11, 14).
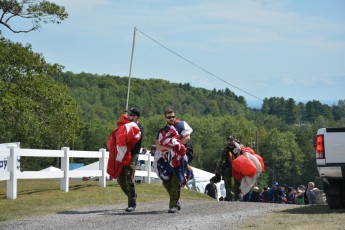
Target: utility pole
(130, 69)
(256, 143)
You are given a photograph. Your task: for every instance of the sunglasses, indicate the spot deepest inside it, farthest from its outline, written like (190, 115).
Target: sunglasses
(131, 114)
(170, 117)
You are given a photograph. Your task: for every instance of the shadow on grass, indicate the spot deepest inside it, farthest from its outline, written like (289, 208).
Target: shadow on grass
(32, 191)
(71, 188)
(313, 209)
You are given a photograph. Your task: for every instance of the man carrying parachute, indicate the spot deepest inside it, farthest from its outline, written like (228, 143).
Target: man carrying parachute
(124, 144)
(240, 163)
(224, 169)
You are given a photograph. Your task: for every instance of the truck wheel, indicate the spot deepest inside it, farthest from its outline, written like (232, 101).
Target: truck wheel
(333, 195)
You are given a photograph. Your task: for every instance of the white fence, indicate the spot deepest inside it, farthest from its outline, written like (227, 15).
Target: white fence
(13, 173)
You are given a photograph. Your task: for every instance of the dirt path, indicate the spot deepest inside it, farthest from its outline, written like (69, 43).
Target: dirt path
(194, 215)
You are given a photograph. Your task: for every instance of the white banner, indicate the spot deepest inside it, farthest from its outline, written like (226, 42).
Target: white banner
(3, 161)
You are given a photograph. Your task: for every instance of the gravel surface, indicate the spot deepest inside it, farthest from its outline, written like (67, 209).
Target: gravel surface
(193, 215)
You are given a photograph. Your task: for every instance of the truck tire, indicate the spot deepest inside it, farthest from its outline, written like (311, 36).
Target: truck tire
(334, 193)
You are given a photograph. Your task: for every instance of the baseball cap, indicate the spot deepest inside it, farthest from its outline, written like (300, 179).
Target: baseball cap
(134, 111)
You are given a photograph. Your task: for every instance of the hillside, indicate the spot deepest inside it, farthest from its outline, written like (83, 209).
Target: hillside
(103, 96)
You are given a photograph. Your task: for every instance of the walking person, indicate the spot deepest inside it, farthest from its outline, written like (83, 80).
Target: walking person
(224, 167)
(124, 145)
(171, 150)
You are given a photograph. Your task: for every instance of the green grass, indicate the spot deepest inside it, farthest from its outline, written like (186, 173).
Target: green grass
(308, 217)
(39, 197)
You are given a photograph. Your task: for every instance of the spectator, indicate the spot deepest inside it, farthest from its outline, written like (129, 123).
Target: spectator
(255, 195)
(314, 194)
(264, 195)
(211, 189)
(284, 192)
(290, 196)
(153, 150)
(273, 193)
(300, 197)
(247, 197)
(143, 152)
(302, 188)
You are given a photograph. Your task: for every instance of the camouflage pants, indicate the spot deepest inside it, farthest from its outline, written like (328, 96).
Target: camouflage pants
(232, 186)
(126, 181)
(173, 188)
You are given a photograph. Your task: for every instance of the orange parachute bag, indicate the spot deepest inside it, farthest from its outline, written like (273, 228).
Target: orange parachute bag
(243, 166)
(236, 175)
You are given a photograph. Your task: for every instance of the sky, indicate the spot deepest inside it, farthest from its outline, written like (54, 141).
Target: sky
(256, 48)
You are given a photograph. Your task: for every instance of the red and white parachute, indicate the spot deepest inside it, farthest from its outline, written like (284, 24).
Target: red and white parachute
(121, 140)
(247, 168)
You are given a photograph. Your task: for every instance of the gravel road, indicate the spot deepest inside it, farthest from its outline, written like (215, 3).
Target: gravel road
(193, 215)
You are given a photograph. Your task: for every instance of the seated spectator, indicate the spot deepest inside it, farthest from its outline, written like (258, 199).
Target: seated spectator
(291, 196)
(302, 188)
(211, 189)
(255, 195)
(273, 193)
(247, 197)
(283, 192)
(314, 194)
(144, 151)
(264, 195)
(300, 197)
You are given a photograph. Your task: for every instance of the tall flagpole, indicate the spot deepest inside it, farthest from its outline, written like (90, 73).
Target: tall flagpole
(130, 69)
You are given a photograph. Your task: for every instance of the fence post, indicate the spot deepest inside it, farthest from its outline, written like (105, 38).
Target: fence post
(148, 167)
(12, 168)
(102, 164)
(64, 184)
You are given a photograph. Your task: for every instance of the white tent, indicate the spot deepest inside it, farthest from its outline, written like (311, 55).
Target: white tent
(92, 166)
(51, 169)
(201, 174)
(201, 179)
(139, 173)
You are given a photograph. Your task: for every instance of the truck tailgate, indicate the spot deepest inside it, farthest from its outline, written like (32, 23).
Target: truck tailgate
(334, 146)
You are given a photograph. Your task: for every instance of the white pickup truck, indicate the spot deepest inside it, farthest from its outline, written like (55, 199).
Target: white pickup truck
(330, 160)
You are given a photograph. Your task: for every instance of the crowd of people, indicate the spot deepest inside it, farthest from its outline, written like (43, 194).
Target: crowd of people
(283, 194)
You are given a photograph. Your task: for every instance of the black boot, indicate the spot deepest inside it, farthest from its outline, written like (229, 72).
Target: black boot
(132, 204)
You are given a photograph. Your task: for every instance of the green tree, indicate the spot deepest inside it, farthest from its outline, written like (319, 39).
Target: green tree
(35, 11)
(315, 109)
(338, 110)
(283, 157)
(35, 109)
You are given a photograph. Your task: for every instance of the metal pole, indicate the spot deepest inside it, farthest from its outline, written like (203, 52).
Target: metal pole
(256, 143)
(130, 69)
